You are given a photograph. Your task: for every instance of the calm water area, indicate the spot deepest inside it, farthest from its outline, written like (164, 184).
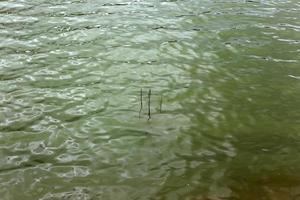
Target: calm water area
(225, 100)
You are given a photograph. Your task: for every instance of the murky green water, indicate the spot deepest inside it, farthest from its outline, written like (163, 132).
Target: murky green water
(227, 72)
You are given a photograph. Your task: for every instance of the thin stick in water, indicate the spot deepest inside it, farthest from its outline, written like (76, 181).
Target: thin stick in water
(141, 98)
(160, 103)
(149, 103)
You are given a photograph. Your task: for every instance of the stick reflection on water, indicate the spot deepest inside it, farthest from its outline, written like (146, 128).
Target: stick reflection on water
(141, 99)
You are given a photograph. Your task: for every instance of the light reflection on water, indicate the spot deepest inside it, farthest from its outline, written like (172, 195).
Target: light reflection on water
(70, 80)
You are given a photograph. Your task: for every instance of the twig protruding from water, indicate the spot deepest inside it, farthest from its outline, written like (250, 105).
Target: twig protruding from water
(160, 103)
(149, 103)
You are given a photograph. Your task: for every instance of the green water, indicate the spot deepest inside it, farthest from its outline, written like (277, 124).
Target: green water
(225, 73)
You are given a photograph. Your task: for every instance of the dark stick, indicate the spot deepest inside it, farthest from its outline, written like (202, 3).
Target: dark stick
(141, 96)
(160, 103)
(149, 102)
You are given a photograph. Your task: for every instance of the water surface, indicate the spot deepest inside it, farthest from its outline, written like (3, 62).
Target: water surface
(227, 73)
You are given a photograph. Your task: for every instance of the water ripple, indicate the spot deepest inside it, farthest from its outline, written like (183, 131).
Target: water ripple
(224, 78)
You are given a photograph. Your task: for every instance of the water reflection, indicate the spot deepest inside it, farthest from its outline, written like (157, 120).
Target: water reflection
(242, 140)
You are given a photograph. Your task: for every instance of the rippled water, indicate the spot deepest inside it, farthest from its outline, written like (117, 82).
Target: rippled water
(225, 73)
